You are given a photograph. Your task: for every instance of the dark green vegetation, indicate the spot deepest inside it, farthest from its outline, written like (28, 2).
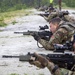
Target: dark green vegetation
(8, 6)
(14, 74)
(10, 17)
(67, 3)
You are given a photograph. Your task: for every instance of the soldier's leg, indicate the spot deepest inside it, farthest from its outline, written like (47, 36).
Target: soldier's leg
(65, 71)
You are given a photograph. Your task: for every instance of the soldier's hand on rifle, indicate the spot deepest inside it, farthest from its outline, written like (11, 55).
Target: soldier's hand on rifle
(41, 15)
(36, 36)
(40, 61)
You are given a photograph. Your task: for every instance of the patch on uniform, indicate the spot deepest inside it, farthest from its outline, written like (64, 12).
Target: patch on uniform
(59, 34)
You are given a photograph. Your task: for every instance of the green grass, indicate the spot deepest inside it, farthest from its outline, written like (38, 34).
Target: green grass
(64, 6)
(14, 74)
(14, 22)
(9, 17)
(25, 74)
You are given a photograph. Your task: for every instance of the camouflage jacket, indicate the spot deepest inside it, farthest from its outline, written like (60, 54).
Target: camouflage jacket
(63, 71)
(63, 33)
(69, 19)
(51, 16)
(63, 17)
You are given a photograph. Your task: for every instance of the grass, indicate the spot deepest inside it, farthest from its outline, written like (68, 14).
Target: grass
(9, 17)
(14, 22)
(14, 74)
(25, 74)
(64, 6)
(68, 8)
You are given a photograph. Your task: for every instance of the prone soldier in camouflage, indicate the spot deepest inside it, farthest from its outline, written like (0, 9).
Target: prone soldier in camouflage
(62, 32)
(52, 14)
(64, 15)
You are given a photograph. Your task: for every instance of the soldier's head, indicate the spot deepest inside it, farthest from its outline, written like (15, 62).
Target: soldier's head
(54, 24)
(51, 9)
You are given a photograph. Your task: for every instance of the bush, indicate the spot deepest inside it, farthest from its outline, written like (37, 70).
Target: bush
(2, 24)
(14, 74)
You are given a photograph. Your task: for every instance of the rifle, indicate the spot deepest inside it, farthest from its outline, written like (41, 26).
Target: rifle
(42, 33)
(68, 46)
(62, 13)
(44, 14)
(63, 60)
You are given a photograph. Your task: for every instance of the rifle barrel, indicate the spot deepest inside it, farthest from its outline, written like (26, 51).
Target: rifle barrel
(9, 56)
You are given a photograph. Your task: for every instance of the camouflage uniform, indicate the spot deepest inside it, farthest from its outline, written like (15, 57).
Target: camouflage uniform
(51, 16)
(63, 33)
(69, 19)
(61, 71)
(63, 17)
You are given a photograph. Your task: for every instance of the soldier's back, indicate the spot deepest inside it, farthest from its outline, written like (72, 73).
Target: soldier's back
(69, 18)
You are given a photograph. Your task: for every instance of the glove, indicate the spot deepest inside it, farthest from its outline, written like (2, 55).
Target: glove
(36, 36)
(40, 61)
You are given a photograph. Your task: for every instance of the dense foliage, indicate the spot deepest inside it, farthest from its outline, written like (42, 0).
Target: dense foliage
(8, 5)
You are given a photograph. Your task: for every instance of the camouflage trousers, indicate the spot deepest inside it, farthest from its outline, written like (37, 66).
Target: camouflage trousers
(67, 72)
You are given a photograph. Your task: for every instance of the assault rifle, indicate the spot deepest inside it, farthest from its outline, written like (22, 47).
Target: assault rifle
(68, 46)
(63, 60)
(62, 13)
(42, 33)
(44, 14)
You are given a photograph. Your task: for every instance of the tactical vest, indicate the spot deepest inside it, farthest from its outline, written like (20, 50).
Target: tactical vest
(68, 18)
(69, 27)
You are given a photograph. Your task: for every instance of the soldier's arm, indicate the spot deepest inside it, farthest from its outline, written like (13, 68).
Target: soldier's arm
(69, 18)
(54, 69)
(57, 38)
(51, 15)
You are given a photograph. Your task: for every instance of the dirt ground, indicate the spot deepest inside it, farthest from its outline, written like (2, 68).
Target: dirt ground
(17, 44)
